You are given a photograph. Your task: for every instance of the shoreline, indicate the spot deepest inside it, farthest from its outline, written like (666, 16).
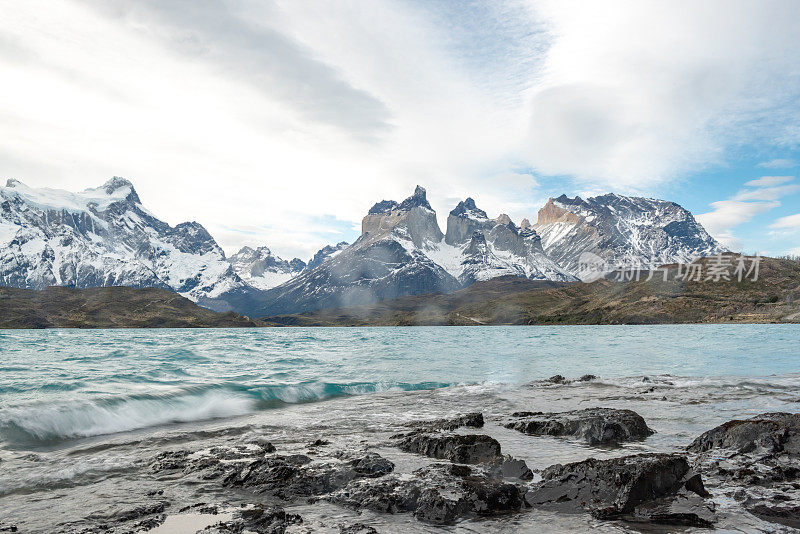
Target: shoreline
(320, 466)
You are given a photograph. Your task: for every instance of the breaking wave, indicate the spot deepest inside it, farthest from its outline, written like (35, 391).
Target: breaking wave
(51, 423)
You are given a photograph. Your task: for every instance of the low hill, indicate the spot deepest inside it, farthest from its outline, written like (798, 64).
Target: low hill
(107, 307)
(773, 297)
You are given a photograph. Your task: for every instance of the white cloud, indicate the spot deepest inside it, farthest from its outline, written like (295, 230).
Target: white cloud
(769, 181)
(260, 118)
(780, 163)
(638, 92)
(767, 193)
(727, 214)
(790, 221)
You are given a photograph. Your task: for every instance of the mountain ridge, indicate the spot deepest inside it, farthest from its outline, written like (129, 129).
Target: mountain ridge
(104, 236)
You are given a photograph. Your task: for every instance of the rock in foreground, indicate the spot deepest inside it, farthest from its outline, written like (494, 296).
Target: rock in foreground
(770, 433)
(597, 426)
(756, 461)
(458, 448)
(438, 494)
(658, 488)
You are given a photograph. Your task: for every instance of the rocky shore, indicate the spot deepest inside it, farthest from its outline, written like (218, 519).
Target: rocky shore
(464, 475)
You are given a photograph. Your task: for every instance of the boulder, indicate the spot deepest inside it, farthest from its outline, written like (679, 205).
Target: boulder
(659, 488)
(768, 433)
(439, 494)
(259, 519)
(458, 448)
(755, 461)
(472, 420)
(597, 426)
(296, 476)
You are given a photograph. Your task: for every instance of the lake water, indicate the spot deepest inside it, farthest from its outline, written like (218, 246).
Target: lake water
(82, 411)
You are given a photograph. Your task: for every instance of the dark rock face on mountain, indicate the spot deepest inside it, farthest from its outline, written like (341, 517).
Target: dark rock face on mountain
(624, 231)
(659, 488)
(104, 237)
(594, 425)
(387, 261)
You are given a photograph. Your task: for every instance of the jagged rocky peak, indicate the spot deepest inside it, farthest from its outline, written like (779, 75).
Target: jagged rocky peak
(116, 183)
(328, 251)
(556, 210)
(525, 224)
(467, 209)
(413, 219)
(465, 220)
(504, 219)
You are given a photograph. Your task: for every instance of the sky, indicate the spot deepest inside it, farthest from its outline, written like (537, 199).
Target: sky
(280, 122)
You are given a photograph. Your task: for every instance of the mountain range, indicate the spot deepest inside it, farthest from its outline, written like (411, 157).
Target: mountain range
(104, 236)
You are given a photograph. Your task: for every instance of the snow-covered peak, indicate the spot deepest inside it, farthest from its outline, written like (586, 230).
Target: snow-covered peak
(92, 199)
(467, 209)
(262, 269)
(623, 230)
(103, 236)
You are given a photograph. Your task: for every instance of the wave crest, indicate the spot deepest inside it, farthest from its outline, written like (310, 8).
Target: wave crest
(50, 423)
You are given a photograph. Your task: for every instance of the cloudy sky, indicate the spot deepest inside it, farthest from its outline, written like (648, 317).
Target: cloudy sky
(280, 122)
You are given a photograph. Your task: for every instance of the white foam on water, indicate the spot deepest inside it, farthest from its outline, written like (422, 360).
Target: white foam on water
(94, 418)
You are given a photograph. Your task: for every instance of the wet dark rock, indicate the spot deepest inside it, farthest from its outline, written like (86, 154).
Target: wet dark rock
(557, 379)
(296, 475)
(319, 443)
(587, 378)
(259, 519)
(472, 420)
(595, 425)
(459, 448)
(150, 523)
(371, 466)
(357, 528)
(8, 528)
(659, 488)
(170, 461)
(783, 515)
(770, 433)
(755, 461)
(508, 467)
(438, 494)
(148, 516)
(685, 508)
(201, 508)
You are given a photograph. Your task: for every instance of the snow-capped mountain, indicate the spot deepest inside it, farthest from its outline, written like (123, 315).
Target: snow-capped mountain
(386, 261)
(104, 237)
(623, 231)
(262, 269)
(477, 248)
(402, 251)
